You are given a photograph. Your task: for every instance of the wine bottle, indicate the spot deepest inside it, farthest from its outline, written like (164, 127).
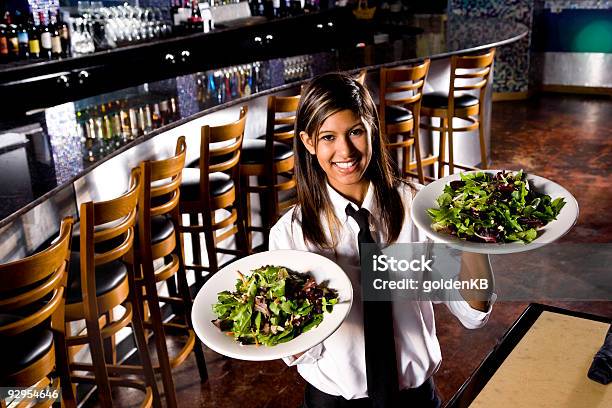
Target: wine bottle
(56, 42)
(196, 24)
(4, 52)
(33, 39)
(23, 38)
(45, 37)
(64, 32)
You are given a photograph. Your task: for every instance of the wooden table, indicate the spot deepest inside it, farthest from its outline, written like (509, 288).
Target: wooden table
(541, 362)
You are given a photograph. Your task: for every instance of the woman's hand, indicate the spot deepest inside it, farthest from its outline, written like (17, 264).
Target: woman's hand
(476, 266)
(298, 355)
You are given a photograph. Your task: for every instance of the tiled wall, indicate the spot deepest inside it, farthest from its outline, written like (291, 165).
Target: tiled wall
(511, 61)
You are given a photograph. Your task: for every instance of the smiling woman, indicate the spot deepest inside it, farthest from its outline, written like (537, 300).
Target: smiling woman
(343, 149)
(339, 144)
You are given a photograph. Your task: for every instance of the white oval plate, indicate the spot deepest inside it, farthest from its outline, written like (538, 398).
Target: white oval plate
(426, 198)
(320, 268)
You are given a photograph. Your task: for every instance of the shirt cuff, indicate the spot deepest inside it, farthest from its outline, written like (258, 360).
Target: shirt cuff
(309, 357)
(469, 317)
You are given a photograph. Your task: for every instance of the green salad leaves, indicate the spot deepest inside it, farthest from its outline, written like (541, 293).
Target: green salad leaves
(482, 207)
(272, 305)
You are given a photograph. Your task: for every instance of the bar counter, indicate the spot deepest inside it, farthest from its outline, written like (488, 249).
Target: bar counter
(50, 164)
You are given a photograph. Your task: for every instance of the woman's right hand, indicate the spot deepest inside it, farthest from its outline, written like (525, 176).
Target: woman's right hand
(296, 356)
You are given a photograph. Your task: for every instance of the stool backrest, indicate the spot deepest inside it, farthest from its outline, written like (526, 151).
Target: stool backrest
(470, 73)
(224, 158)
(160, 195)
(111, 222)
(26, 282)
(406, 83)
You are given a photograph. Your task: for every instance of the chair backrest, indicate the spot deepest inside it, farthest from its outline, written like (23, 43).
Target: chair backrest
(112, 223)
(402, 86)
(470, 73)
(224, 157)
(160, 195)
(281, 111)
(161, 180)
(24, 283)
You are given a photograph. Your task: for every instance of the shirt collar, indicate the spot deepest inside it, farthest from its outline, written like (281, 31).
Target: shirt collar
(339, 203)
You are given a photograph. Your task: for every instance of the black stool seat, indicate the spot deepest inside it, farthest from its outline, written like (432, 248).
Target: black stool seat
(439, 100)
(108, 277)
(18, 352)
(253, 151)
(397, 114)
(220, 183)
(161, 228)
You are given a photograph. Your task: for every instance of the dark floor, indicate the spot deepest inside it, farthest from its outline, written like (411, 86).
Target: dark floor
(564, 138)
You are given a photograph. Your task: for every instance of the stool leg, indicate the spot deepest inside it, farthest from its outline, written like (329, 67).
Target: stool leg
(442, 152)
(209, 237)
(451, 158)
(160, 342)
(62, 365)
(110, 350)
(196, 249)
(141, 340)
(183, 288)
(97, 353)
(246, 209)
(417, 152)
(483, 147)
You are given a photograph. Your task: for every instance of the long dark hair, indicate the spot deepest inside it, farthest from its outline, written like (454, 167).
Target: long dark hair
(323, 97)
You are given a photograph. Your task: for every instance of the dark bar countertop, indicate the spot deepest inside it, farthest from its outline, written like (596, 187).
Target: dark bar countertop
(48, 149)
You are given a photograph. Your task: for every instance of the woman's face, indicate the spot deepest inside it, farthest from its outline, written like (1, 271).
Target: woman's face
(344, 149)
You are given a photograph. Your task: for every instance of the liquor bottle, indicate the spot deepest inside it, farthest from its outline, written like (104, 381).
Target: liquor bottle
(11, 38)
(276, 5)
(4, 52)
(175, 13)
(45, 37)
(23, 38)
(196, 24)
(56, 42)
(64, 32)
(33, 39)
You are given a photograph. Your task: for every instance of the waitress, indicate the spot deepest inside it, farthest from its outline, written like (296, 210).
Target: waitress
(385, 353)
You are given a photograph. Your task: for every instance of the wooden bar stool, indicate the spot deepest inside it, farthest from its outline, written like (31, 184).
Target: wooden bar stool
(213, 191)
(401, 91)
(158, 226)
(271, 161)
(100, 280)
(468, 73)
(32, 295)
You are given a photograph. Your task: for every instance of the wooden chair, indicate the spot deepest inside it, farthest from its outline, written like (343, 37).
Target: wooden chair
(158, 226)
(32, 295)
(213, 191)
(401, 91)
(271, 161)
(100, 280)
(468, 73)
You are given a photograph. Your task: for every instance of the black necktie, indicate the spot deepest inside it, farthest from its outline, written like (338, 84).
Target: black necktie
(381, 365)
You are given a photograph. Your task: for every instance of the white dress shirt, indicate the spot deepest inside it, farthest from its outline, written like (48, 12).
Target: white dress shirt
(337, 366)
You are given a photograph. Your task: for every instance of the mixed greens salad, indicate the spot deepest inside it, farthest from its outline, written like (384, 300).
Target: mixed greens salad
(273, 305)
(483, 207)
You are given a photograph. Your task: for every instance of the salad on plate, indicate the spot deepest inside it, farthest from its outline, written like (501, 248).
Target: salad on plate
(493, 208)
(272, 305)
